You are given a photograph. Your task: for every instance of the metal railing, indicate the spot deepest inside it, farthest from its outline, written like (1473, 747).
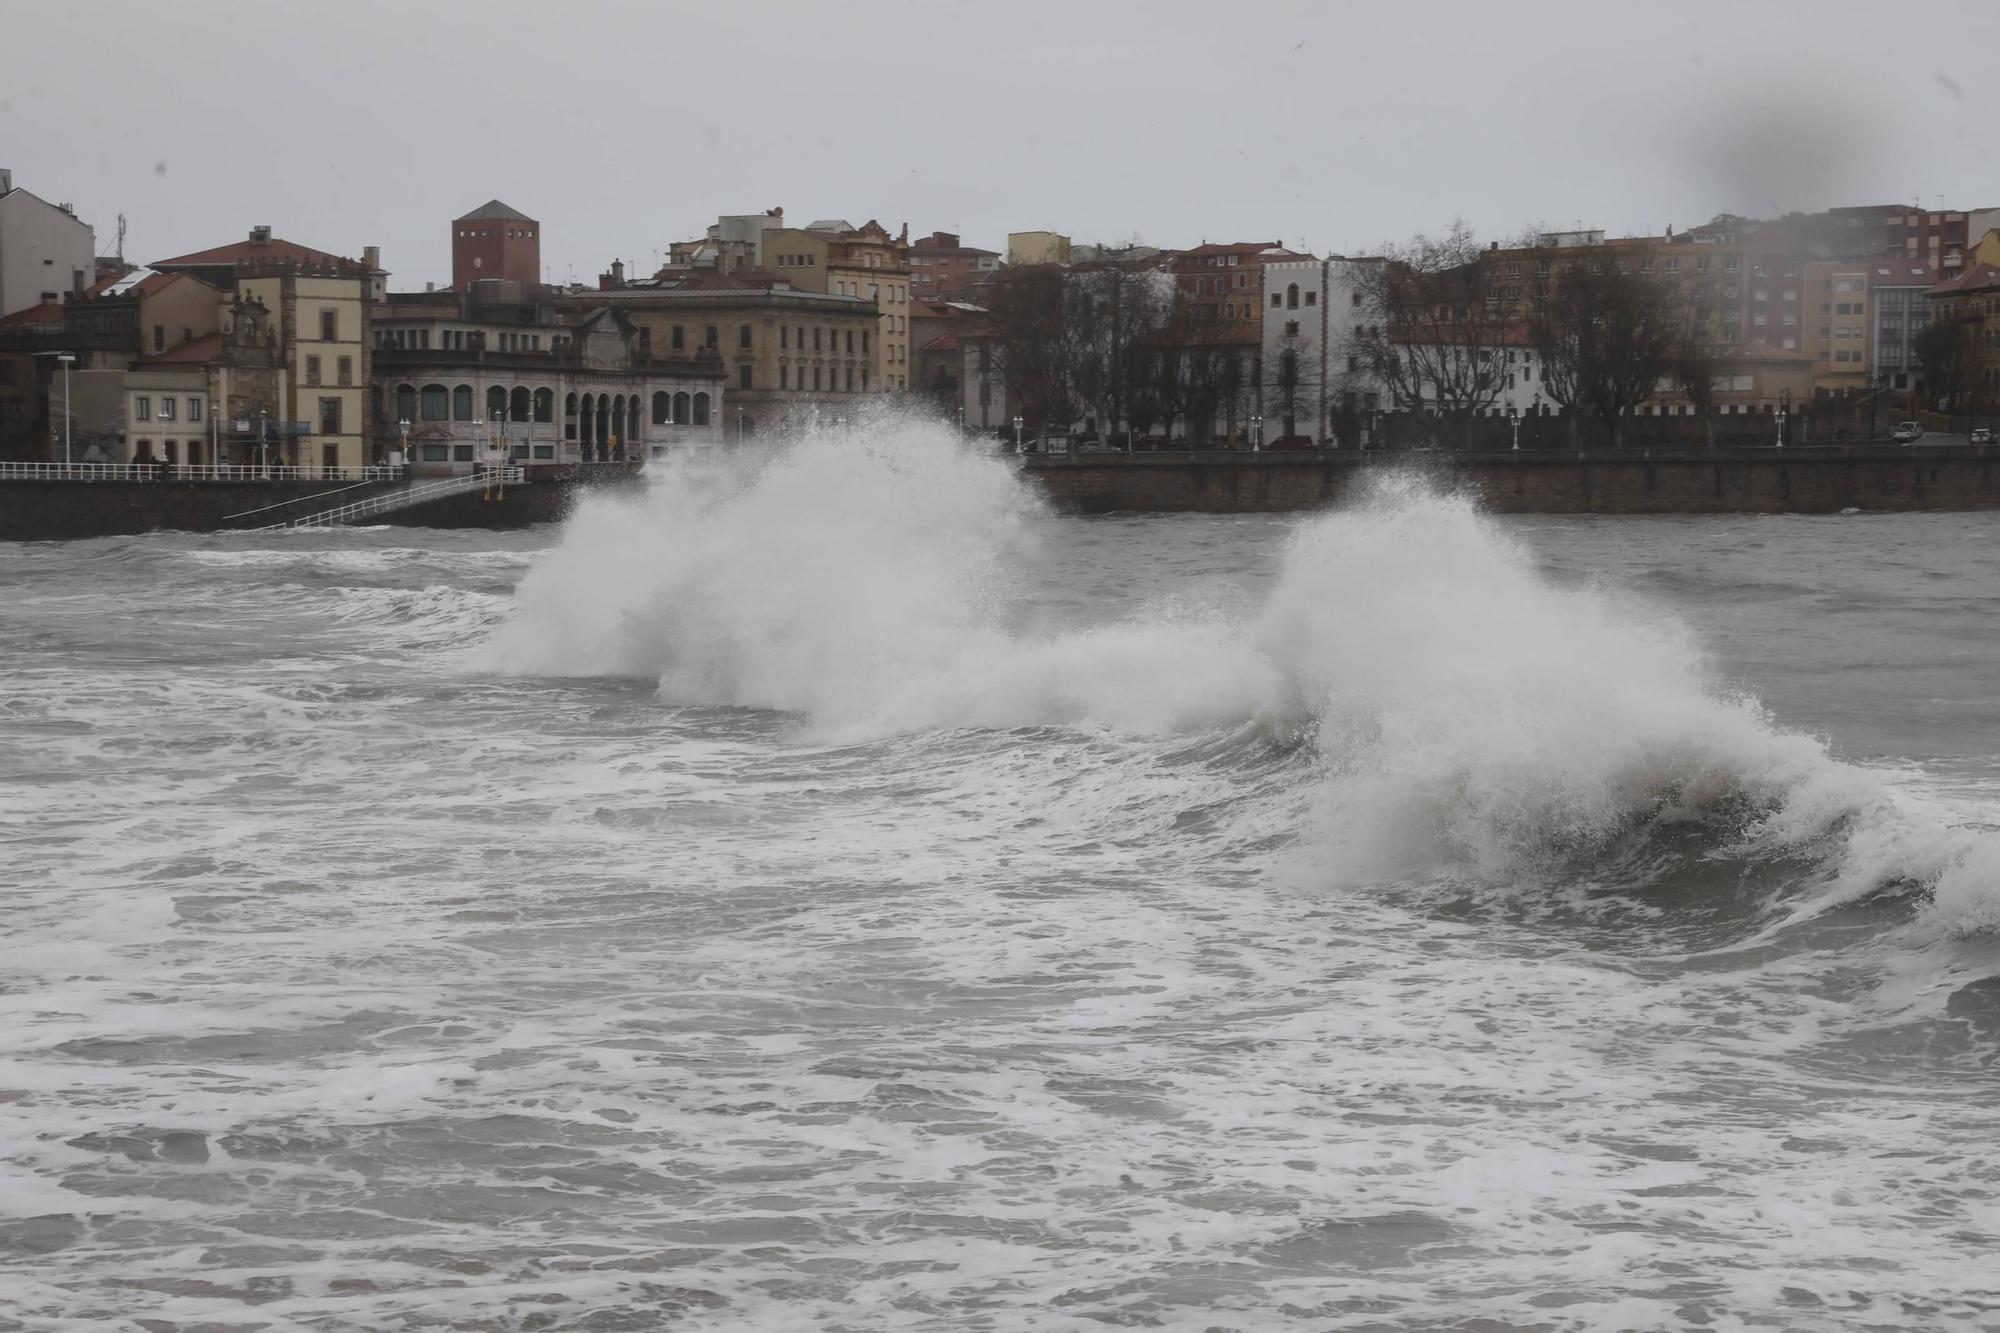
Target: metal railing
(186, 472)
(422, 493)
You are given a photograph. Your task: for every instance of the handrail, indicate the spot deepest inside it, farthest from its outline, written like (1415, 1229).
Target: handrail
(402, 499)
(299, 499)
(187, 472)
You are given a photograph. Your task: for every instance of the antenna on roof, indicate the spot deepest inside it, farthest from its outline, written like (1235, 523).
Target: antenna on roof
(121, 238)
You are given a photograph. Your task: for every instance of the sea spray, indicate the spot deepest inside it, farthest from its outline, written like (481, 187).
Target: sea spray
(1471, 714)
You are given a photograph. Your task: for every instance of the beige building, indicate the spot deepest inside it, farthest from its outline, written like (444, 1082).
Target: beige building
(1837, 321)
(296, 335)
(786, 353)
(840, 259)
(1037, 247)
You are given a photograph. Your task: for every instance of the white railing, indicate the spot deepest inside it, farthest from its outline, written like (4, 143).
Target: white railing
(422, 493)
(184, 472)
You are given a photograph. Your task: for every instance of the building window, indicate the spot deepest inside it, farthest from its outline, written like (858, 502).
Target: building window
(461, 403)
(1292, 297)
(437, 403)
(784, 337)
(743, 375)
(816, 346)
(329, 326)
(166, 409)
(701, 409)
(312, 370)
(711, 340)
(680, 338)
(784, 377)
(743, 336)
(815, 378)
(194, 409)
(545, 405)
(346, 371)
(142, 408)
(864, 342)
(1312, 298)
(329, 416)
(159, 337)
(850, 379)
(1276, 300)
(406, 403)
(663, 409)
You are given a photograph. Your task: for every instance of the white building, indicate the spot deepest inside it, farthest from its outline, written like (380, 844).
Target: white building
(1312, 312)
(45, 251)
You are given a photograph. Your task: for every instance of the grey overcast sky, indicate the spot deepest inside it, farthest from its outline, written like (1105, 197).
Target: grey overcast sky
(623, 126)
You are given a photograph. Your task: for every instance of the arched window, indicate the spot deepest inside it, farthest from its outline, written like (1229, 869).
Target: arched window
(496, 402)
(437, 403)
(632, 422)
(545, 405)
(520, 406)
(461, 403)
(701, 409)
(1292, 297)
(683, 409)
(375, 402)
(663, 409)
(569, 416)
(406, 402)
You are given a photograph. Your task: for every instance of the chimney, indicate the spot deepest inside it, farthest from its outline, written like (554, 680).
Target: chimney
(430, 286)
(371, 257)
(260, 235)
(617, 273)
(6, 179)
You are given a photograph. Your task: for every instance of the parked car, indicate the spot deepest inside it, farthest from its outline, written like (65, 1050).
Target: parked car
(1908, 432)
(1983, 435)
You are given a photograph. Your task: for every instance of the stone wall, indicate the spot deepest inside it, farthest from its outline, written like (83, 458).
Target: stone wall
(1813, 480)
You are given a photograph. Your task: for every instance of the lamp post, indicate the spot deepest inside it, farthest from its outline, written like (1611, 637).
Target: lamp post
(1514, 420)
(1017, 435)
(403, 434)
(739, 423)
(163, 417)
(1256, 433)
(66, 360)
(1784, 405)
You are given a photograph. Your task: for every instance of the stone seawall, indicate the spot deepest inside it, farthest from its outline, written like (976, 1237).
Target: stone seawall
(1800, 480)
(66, 510)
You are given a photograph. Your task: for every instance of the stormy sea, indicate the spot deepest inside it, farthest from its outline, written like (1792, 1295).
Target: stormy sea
(832, 891)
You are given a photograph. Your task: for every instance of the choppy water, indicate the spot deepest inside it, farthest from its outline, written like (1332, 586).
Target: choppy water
(850, 898)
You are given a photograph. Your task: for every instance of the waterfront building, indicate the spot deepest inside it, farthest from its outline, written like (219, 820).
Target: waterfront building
(495, 241)
(1037, 247)
(293, 341)
(1899, 304)
(788, 355)
(507, 364)
(47, 254)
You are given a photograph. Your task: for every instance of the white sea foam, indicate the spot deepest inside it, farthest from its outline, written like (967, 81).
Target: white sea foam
(1471, 712)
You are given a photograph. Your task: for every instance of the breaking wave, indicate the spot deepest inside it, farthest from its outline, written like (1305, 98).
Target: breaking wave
(1468, 712)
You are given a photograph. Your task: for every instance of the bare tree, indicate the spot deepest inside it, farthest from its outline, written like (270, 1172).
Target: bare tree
(1604, 335)
(1118, 302)
(1940, 349)
(1290, 387)
(1695, 363)
(1435, 325)
(1035, 341)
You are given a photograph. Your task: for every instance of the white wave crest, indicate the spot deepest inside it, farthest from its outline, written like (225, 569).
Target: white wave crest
(1470, 712)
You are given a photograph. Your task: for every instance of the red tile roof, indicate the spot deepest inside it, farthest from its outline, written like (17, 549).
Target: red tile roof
(45, 313)
(1899, 272)
(1978, 278)
(195, 351)
(250, 252)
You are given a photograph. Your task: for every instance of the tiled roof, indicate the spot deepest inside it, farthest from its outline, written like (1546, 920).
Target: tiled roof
(250, 252)
(1978, 278)
(46, 313)
(196, 351)
(495, 211)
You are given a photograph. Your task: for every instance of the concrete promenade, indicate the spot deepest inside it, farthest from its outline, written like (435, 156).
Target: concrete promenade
(1805, 479)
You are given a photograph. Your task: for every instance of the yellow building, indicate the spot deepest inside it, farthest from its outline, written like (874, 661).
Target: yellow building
(1037, 247)
(867, 262)
(305, 366)
(1837, 320)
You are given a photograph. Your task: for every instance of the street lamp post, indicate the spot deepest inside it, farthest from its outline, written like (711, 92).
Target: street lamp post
(739, 423)
(66, 359)
(1784, 406)
(1514, 420)
(1256, 434)
(403, 434)
(1017, 435)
